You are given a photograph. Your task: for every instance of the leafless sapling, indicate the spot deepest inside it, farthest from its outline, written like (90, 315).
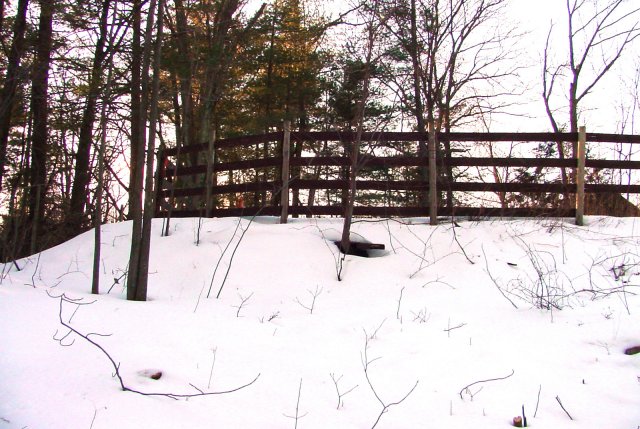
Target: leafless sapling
(243, 302)
(340, 394)
(366, 365)
(296, 417)
(314, 296)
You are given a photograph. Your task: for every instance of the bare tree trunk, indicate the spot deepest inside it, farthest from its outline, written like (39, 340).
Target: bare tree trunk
(137, 149)
(548, 83)
(136, 187)
(345, 242)
(185, 76)
(97, 221)
(605, 30)
(7, 97)
(39, 107)
(145, 247)
(419, 108)
(82, 167)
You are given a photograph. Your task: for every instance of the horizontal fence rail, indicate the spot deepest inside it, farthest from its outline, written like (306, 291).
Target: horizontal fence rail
(279, 169)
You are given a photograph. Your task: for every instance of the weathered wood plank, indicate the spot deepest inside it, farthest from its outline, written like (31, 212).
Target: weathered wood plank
(405, 161)
(373, 185)
(346, 136)
(383, 212)
(409, 136)
(405, 185)
(228, 143)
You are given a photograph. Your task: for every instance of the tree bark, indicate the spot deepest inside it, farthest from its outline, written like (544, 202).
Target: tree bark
(82, 170)
(138, 139)
(185, 77)
(97, 216)
(345, 242)
(7, 97)
(423, 197)
(145, 246)
(39, 108)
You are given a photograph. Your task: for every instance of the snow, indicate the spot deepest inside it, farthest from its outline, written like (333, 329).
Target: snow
(421, 312)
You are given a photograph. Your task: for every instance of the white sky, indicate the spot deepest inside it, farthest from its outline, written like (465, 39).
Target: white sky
(534, 19)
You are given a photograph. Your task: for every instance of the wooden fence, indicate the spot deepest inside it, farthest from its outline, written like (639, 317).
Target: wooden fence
(199, 180)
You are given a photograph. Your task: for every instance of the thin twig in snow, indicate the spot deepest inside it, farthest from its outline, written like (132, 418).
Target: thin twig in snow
(243, 301)
(563, 408)
(399, 303)
(537, 402)
(455, 237)
(199, 297)
(235, 249)
(366, 363)
(340, 395)
(375, 333)
(495, 282)
(33, 282)
(314, 296)
(484, 381)
(297, 415)
(222, 256)
(213, 363)
(449, 328)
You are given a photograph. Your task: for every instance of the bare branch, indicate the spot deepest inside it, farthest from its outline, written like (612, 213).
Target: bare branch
(484, 381)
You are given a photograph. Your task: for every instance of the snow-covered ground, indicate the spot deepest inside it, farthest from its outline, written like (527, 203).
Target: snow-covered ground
(445, 322)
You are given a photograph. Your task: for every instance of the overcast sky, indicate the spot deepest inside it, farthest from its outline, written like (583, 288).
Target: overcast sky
(533, 18)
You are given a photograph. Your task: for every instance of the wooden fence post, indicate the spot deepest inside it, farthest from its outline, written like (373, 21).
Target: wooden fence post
(433, 177)
(582, 145)
(161, 175)
(208, 181)
(284, 191)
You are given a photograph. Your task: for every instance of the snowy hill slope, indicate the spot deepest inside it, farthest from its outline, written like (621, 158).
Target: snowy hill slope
(441, 309)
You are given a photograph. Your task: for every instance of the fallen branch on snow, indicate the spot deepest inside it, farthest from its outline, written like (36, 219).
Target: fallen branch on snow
(484, 381)
(87, 337)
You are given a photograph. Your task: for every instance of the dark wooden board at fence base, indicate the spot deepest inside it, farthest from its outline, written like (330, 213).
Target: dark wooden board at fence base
(359, 248)
(383, 212)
